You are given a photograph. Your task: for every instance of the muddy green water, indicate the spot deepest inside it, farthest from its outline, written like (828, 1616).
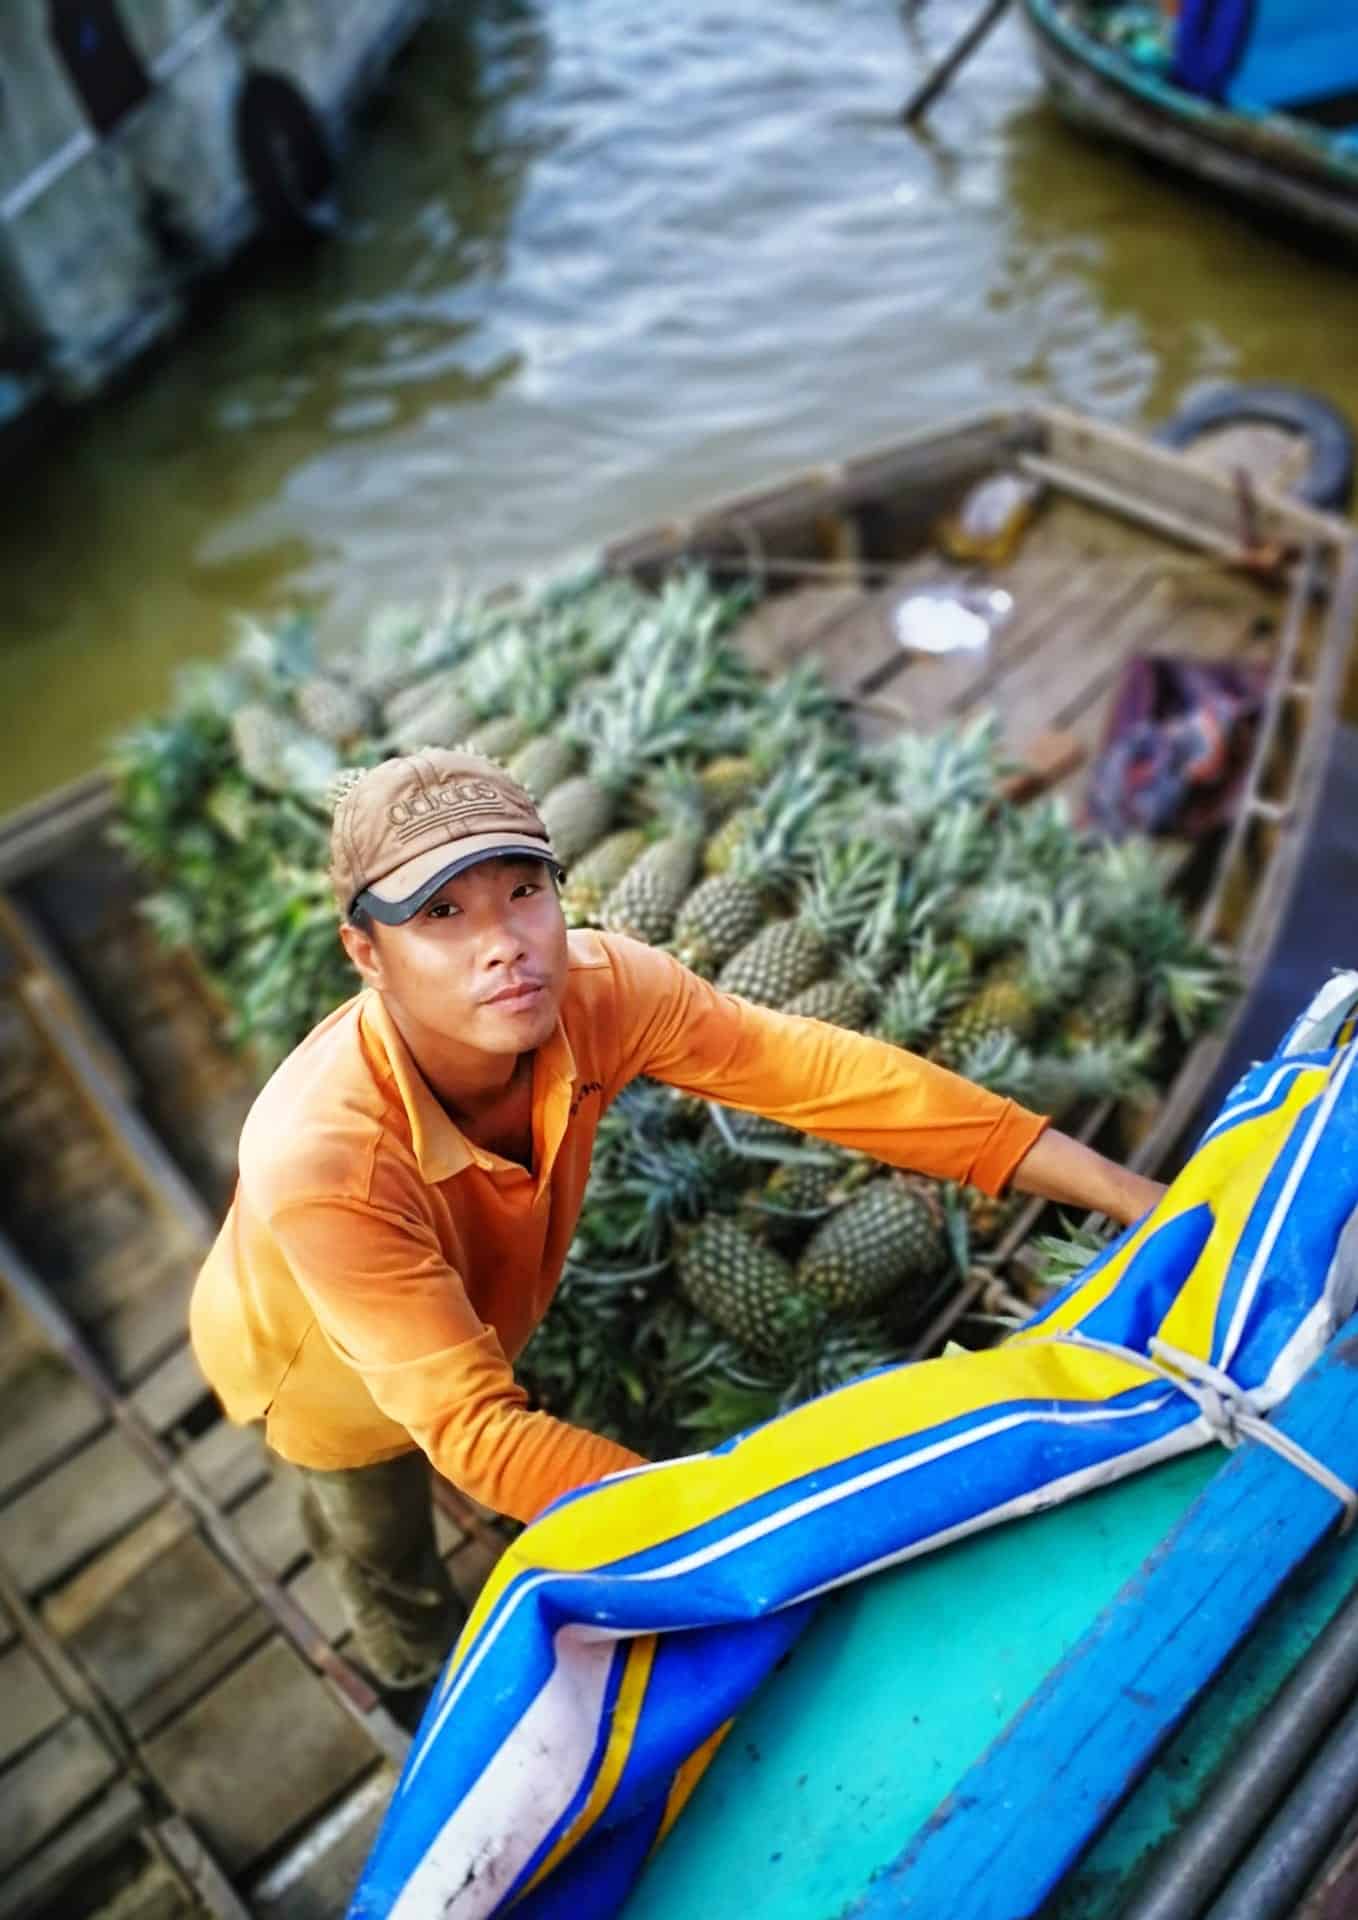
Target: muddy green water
(601, 261)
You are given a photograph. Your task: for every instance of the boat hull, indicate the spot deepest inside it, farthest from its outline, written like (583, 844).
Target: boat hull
(1273, 163)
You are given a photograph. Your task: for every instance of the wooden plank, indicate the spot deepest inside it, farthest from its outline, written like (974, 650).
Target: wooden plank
(45, 1413)
(67, 1610)
(269, 1524)
(316, 1877)
(784, 627)
(52, 1781)
(32, 1705)
(37, 835)
(167, 1394)
(314, 1592)
(141, 1335)
(87, 1502)
(121, 1125)
(31, 1888)
(227, 1461)
(183, 1601)
(28, 939)
(179, 1690)
(261, 1753)
(1097, 1720)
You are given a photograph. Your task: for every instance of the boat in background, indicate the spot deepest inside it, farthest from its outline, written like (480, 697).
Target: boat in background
(139, 154)
(1256, 97)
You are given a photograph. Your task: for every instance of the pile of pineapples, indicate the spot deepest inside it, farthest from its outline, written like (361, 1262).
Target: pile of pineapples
(724, 1265)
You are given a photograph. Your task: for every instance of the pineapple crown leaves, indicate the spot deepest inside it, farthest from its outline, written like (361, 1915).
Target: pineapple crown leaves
(958, 847)
(849, 881)
(928, 773)
(933, 981)
(779, 830)
(1192, 995)
(999, 915)
(1059, 950)
(1065, 1255)
(1001, 1063)
(1116, 1068)
(273, 659)
(1039, 842)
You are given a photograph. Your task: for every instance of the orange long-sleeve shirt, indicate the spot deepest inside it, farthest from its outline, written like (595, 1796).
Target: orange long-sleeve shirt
(378, 1271)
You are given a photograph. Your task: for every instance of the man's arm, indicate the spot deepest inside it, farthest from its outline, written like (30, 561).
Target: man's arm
(855, 1091)
(393, 1308)
(1056, 1167)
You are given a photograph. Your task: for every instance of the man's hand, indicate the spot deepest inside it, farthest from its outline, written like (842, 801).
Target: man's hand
(1059, 1168)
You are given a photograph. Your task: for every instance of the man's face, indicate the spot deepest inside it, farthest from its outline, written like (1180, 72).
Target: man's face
(482, 964)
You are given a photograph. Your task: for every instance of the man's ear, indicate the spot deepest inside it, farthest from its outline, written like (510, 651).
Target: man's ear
(361, 947)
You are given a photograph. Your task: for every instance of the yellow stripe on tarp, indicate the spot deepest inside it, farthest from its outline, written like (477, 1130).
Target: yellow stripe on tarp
(687, 1778)
(1228, 1173)
(621, 1733)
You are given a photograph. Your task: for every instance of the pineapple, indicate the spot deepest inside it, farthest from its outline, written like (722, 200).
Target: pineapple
(543, 763)
(932, 982)
(839, 1001)
(741, 1286)
(792, 954)
(728, 908)
(577, 815)
(329, 708)
(797, 714)
(275, 753)
(261, 738)
(1013, 999)
(889, 1237)
(727, 783)
(987, 1215)
(812, 1185)
(659, 701)
(646, 899)
(1108, 1005)
(593, 878)
(498, 738)
(930, 777)
(435, 715)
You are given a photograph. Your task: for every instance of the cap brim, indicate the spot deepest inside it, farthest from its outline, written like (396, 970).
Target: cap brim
(398, 896)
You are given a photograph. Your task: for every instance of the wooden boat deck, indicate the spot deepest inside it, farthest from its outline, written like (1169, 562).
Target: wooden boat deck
(179, 1709)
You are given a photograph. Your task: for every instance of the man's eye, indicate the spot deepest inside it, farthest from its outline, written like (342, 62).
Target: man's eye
(441, 910)
(527, 888)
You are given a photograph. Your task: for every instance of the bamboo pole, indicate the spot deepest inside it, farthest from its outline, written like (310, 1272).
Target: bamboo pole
(924, 96)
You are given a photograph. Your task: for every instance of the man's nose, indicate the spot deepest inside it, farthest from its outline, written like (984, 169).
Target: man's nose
(501, 946)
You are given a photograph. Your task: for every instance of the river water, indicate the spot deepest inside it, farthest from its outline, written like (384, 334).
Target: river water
(601, 261)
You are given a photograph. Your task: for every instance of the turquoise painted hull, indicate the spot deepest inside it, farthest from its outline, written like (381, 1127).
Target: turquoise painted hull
(894, 1694)
(904, 1683)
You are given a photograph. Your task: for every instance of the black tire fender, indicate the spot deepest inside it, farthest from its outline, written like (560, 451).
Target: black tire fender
(1328, 479)
(286, 155)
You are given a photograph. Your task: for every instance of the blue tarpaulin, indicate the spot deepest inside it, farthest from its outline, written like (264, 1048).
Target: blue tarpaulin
(1267, 54)
(622, 1632)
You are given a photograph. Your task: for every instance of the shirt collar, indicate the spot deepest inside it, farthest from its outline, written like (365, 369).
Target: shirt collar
(441, 1148)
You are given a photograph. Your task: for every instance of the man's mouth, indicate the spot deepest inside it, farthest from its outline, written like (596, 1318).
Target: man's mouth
(519, 995)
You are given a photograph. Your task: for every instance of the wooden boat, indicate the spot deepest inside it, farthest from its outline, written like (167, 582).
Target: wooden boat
(1295, 168)
(174, 1648)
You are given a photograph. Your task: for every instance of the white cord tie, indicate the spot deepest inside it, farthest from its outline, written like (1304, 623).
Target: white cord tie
(1229, 1411)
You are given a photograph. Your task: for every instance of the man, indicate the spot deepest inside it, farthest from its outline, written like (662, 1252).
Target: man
(411, 1176)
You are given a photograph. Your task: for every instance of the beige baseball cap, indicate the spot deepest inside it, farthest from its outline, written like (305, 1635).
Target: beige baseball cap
(403, 829)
